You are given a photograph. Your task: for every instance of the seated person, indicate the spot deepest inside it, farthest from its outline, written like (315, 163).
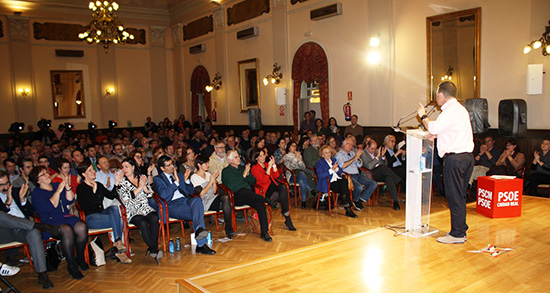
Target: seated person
(63, 168)
(280, 152)
(90, 198)
(293, 161)
(239, 180)
(205, 185)
(510, 161)
(350, 162)
(540, 167)
(218, 161)
(374, 159)
(176, 189)
(395, 157)
(266, 174)
(328, 171)
(15, 225)
(51, 201)
(486, 159)
(133, 191)
(311, 153)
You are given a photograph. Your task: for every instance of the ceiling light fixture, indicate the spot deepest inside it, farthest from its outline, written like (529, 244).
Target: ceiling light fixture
(105, 27)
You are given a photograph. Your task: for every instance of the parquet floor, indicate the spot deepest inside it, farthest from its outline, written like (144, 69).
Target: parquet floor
(376, 261)
(144, 275)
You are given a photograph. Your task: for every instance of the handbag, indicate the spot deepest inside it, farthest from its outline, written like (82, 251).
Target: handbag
(96, 252)
(52, 257)
(255, 226)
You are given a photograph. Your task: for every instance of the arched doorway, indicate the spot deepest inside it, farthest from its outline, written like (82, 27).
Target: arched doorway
(199, 80)
(308, 65)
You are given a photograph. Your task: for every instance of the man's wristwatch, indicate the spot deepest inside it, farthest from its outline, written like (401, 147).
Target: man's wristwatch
(423, 117)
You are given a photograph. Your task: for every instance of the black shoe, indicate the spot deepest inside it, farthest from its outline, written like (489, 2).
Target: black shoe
(231, 234)
(84, 266)
(272, 204)
(205, 250)
(13, 261)
(52, 229)
(44, 281)
(201, 233)
(358, 205)
(289, 225)
(350, 213)
(266, 237)
(303, 204)
(396, 206)
(75, 273)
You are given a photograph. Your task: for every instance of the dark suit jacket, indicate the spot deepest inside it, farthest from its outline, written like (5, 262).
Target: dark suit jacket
(391, 159)
(27, 209)
(166, 190)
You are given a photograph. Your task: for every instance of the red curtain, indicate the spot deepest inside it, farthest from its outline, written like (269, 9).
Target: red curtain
(199, 80)
(309, 64)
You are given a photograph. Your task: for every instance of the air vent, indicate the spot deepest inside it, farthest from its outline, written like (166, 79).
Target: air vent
(197, 49)
(248, 33)
(326, 12)
(69, 53)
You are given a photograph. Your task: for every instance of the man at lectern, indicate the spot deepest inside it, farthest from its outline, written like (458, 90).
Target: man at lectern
(455, 145)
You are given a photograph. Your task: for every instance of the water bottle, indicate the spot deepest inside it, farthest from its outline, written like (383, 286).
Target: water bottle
(171, 245)
(423, 162)
(209, 239)
(178, 244)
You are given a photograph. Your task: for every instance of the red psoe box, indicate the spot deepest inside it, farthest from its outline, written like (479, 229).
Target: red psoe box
(499, 198)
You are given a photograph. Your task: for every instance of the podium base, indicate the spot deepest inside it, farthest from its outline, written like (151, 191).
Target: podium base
(420, 232)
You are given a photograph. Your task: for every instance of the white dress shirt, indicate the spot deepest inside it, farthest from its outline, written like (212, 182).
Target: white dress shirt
(453, 129)
(14, 208)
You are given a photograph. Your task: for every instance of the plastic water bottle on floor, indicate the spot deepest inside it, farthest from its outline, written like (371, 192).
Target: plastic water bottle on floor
(171, 245)
(178, 244)
(209, 240)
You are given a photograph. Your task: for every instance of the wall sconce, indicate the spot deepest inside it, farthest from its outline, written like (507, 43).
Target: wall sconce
(543, 43)
(109, 91)
(24, 91)
(216, 83)
(216, 2)
(374, 56)
(449, 74)
(275, 76)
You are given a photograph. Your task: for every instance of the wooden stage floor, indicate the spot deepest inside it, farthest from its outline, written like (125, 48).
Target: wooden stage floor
(377, 260)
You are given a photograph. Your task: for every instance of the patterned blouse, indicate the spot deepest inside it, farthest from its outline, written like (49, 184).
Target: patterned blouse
(293, 163)
(135, 205)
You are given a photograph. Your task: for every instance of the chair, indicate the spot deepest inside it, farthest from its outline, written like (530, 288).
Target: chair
(332, 196)
(374, 197)
(244, 208)
(91, 232)
(162, 207)
(16, 244)
(292, 183)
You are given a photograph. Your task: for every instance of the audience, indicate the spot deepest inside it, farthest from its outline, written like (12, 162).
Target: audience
(485, 159)
(510, 162)
(293, 161)
(354, 128)
(540, 167)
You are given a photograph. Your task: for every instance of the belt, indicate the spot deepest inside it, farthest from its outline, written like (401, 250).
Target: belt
(454, 154)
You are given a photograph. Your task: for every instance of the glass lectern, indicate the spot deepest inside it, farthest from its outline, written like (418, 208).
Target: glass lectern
(420, 153)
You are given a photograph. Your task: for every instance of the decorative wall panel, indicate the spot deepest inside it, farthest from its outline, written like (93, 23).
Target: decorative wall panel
(197, 28)
(246, 10)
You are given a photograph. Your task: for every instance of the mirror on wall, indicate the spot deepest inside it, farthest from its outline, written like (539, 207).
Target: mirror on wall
(67, 94)
(249, 85)
(453, 52)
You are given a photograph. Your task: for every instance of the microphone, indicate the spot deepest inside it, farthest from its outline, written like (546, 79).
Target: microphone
(396, 127)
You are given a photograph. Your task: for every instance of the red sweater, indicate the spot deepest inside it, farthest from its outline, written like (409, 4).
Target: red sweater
(262, 179)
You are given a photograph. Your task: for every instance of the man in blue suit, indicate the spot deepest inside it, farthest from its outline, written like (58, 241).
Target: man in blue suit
(176, 189)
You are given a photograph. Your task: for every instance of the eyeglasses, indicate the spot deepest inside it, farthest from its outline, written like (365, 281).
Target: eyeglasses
(5, 184)
(138, 157)
(42, 174)
(190, 153)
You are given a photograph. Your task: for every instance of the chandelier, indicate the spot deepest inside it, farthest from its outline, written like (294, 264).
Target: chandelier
(105, 27)
(543, 43)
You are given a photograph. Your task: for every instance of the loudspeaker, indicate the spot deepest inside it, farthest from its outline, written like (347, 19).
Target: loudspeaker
(512, 117)
(479, 114)
(254, 119)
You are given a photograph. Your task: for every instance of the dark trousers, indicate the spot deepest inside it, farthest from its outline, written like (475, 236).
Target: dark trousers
(385, 174)
(340, 186)
(534, 180)
(279, 193)
(245, 196)
(457, 169)
(149, 228)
